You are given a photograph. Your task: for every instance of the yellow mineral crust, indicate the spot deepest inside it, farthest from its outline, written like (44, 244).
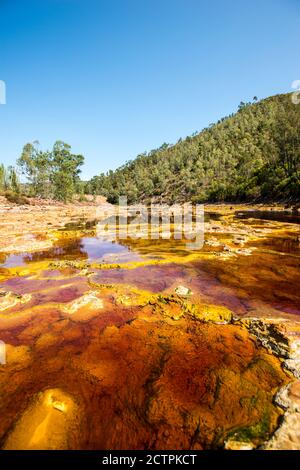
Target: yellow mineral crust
(149, 353)
(50, 422)
(10, 299)
(84, 308)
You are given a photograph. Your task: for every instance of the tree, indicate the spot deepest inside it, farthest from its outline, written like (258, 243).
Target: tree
(36, 165)
(13, 180)
(252, 154)
(65, 171)
(2, 177)
(51, 174)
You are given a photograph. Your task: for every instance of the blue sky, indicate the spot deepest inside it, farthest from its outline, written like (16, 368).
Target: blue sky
(115, 78)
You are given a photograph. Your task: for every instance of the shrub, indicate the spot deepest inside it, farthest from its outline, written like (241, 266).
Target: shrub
(16, 198)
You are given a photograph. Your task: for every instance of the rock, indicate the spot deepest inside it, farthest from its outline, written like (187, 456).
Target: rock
(50, 422)
(226, 248)
(239, 240)
(225, 255)
(281, 339)
(294, 394)
(76, 265)
(27, 243)
(287, 436)
(212, 242)
(177, 308)
(238, 445)
(130, 299)
(10, 299)
(209, 313)
(90, 300)
(288, 397)
(270, 335)
(294, 348)
(244, 251)
(183, 291)
(281, 398)
(293, 366)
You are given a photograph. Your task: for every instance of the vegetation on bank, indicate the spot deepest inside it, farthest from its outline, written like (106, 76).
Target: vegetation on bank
(252, 155)
(50, 174)
(249, 156)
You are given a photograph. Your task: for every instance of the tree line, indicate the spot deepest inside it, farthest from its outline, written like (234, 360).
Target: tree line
(51, 174)
(251, 155)
(9, 179)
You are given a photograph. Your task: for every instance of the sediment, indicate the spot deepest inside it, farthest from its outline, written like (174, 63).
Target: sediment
(150, 346)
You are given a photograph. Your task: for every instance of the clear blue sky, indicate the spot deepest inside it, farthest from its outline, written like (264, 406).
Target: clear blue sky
(115, 78)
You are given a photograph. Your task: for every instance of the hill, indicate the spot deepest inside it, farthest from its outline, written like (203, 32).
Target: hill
(251, 155)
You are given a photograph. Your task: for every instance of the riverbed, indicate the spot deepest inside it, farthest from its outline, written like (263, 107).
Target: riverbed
(144, 344)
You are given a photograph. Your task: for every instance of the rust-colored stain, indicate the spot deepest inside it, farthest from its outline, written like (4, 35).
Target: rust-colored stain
(101, 353)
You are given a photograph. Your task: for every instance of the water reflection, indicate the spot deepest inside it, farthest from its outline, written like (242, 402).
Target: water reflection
(278, 216)
(288, 244)
(87, 248)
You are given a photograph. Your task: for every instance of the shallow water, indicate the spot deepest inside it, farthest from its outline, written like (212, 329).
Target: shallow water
(244, 283)
(98, 342)
(279, 216)
(84, 248)
(287, 244)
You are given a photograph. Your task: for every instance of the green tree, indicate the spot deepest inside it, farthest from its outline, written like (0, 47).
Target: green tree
(13, 180)
(250, 155)
(36, 165)
(2, 177)
(65, 171)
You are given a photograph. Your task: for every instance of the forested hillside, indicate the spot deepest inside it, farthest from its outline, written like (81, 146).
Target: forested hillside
(251, 155)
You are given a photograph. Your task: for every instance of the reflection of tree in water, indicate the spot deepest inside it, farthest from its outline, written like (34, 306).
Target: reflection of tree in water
(286, 244)
(277, 216)
(70, 249)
